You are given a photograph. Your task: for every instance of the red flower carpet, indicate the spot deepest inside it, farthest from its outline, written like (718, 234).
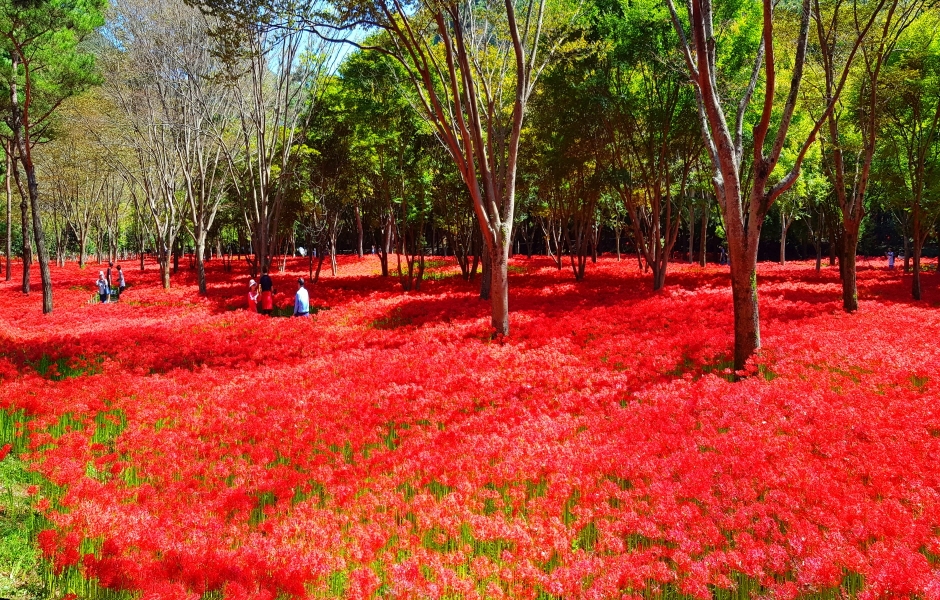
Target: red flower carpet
(387, 447)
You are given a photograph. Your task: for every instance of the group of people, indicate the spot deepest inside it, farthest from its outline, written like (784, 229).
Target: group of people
(106, 284)
(261, 296)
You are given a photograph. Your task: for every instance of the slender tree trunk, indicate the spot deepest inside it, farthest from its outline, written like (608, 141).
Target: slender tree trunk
(359, 230)
(24, 228)
(702, 246)
(784, 226)
(42, 251)
(691, 234)
(386, 246)
(918, 248)
(907, 253)
(9, 152)
(617, 233)
(201, 263)
(849, 267)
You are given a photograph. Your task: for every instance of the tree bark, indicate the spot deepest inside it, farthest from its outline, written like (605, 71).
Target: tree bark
(702, 237)
(9, 153)
(918, 248)
(201, 263)
(24, 228)
(165, 272)
(42, 251)
(849, 268)
(907, 253)
(744, 299)
(359, 230)
(486, 281)
(499, 288)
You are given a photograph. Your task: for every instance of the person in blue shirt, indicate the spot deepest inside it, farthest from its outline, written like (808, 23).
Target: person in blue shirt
(301, 300)
(890, 259)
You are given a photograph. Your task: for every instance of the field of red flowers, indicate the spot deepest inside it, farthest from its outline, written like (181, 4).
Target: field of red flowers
(388, 447)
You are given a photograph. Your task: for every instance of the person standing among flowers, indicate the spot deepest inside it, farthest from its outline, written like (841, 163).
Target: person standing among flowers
(301, 300)
(890, 260)
(252, 296)
(267, 293)
(104, 290)
(120, 281)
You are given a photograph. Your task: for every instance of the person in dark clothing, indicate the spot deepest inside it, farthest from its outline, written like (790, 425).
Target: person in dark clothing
(267, 293)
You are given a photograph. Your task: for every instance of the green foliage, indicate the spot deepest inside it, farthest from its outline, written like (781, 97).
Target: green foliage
(19, 558)
(48, 36)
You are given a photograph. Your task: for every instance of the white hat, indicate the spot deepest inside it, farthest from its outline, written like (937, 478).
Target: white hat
(252, 283)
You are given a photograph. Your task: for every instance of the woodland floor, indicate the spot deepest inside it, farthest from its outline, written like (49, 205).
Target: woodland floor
(181, 447)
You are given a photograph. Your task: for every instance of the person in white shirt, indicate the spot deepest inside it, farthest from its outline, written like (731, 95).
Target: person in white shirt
(301, 300)
(104, 290)
(120, 281)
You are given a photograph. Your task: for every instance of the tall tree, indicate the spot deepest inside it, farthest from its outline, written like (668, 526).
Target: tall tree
(912, 133)
(473, 67)
(746, 192)
(42, 40)
(852, 128)
(654, 135)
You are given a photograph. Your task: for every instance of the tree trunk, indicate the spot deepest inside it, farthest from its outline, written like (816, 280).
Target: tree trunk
(817, 238)
(386, 246)
(746, 314)
(691, 234)
(142, 254)
(783, 240)
(907, 253)
(359, 231)
(849, 269)
(201, 263)
(42, 251)
(499, 287)
(9, 275)
(918, 247)
(165, 272)
(486, 282)
(659, 274)
(702, 246)
(24, 228)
